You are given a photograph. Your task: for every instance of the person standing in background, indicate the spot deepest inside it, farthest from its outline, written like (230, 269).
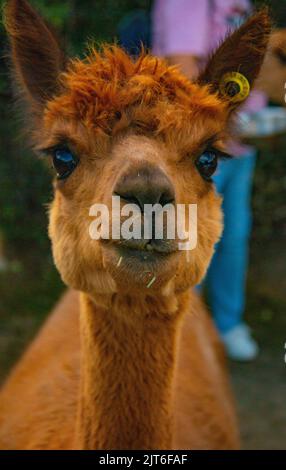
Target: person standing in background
(185, 32)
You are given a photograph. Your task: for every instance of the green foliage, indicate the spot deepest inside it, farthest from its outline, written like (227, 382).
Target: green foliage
(55, 12)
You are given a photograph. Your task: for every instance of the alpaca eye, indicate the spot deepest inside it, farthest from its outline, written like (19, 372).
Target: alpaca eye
(207, 164)
(64, 162)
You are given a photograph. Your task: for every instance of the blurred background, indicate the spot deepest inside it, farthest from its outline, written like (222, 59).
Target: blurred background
(30, 285)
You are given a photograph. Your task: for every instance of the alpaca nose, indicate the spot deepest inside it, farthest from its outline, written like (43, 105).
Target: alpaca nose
(145, 185)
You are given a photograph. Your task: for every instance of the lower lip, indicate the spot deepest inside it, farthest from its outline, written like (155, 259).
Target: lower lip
(143, 256)
(125, 258)
(139, 267)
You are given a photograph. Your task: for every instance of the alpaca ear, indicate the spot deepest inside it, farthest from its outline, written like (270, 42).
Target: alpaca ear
(36, 55)
(239, 57)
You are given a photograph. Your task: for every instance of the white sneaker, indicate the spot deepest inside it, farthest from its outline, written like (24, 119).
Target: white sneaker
(239, 344)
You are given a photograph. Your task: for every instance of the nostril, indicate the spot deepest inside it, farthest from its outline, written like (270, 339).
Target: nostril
(167, 197)
(140, 199)
(133, 198)
(130, 198)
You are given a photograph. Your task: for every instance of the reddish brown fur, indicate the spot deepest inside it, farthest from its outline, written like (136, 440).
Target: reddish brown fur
(148, 371)
(249, 40)
(106, 83)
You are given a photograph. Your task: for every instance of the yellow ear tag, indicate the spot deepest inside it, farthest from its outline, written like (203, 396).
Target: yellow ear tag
(234, 86)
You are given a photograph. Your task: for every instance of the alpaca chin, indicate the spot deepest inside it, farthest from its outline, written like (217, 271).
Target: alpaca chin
(140, 271)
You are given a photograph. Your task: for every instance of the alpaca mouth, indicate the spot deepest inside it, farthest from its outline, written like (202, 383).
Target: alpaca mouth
(144, 263)
(150, 246)
(151, 255)
(145, 249)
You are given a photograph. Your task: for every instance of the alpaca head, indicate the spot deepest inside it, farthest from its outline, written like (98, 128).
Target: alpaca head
(136, 129)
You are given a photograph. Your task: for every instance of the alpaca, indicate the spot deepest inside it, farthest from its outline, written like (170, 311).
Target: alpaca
(129, 359)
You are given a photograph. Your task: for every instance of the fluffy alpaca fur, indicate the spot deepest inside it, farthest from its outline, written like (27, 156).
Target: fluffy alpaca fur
(131, 364)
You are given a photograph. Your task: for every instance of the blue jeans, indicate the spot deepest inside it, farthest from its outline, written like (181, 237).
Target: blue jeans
(227, 273)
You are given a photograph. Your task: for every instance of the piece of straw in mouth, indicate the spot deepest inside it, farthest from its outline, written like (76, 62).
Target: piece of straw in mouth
(151, 282)
(119, 262)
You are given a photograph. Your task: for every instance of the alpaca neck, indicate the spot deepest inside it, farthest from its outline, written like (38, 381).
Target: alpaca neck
(128, 358)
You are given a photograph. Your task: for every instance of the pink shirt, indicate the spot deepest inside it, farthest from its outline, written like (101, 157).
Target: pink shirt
(197, 27)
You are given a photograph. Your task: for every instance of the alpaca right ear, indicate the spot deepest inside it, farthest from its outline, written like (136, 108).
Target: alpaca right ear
(237, 62)
(36, 55)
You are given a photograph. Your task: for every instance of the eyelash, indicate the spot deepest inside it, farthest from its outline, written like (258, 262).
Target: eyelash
(219, 153)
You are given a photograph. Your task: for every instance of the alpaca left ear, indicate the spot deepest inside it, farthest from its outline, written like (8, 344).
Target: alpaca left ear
(36, 55)
(235, 65)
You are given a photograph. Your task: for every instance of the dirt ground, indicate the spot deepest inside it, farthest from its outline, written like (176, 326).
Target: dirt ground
(260, 387)
(29, 290)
